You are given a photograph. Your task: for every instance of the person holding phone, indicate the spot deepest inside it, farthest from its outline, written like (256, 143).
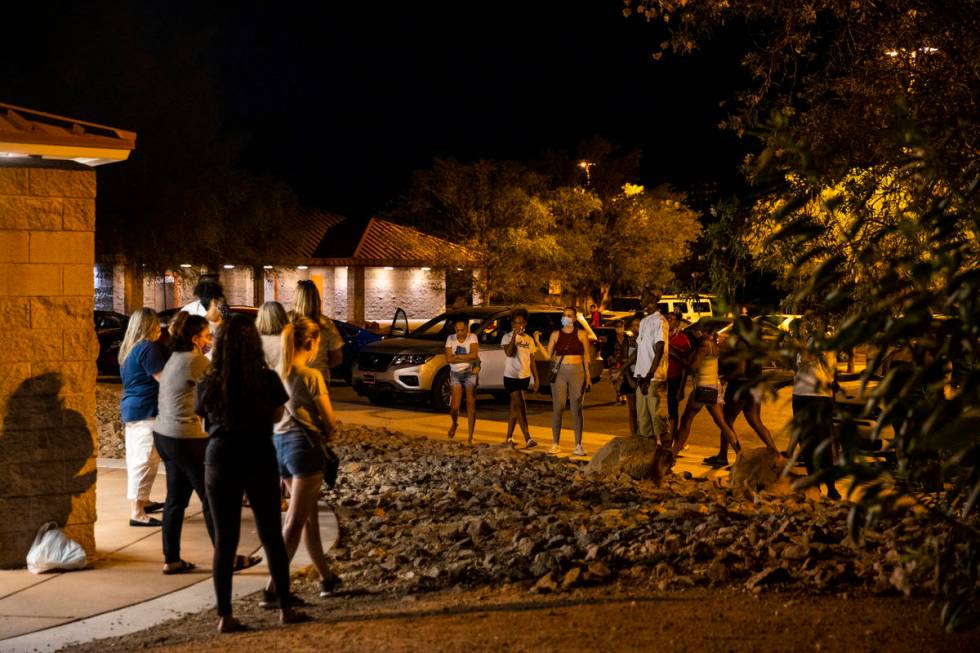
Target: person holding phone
(569, 349)
(519, 375)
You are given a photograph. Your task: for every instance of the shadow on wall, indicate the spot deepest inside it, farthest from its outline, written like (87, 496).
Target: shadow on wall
(44, 450)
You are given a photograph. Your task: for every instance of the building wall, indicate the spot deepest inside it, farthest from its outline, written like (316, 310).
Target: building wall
(47, 356)
(421, 293)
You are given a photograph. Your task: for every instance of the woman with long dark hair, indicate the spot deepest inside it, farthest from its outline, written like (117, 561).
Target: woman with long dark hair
(571, 351)
(241, 399)
(180, 439)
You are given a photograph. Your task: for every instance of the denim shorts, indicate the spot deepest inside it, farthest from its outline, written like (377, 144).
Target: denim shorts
(465, 379)
(296, 455)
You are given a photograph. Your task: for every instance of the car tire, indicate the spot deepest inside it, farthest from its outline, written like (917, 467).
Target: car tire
(441, 392)
(381, 398)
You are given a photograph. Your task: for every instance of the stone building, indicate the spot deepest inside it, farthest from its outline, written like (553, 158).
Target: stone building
(364, 271)
(47, 338)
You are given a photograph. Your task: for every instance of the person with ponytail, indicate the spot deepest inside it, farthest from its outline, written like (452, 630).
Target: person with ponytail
(308, 419)
(308, 304)
(240, 400)
(140, 363)
(180, 438)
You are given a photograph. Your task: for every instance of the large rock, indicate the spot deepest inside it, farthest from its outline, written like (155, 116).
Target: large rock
(639, 458)
(756, 469)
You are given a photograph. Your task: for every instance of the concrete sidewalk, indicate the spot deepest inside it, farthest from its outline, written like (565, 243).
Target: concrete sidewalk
(123, 582)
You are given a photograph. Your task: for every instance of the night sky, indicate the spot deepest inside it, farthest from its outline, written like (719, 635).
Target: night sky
(342, 101)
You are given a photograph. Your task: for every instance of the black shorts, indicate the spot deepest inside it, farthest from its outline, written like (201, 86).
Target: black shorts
(515, 385)
(673, 401)
(737, 400)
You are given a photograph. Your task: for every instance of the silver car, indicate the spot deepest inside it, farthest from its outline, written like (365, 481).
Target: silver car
(412, 366)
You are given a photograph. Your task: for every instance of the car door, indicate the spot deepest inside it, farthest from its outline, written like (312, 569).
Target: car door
(399, 324)
(492, 356)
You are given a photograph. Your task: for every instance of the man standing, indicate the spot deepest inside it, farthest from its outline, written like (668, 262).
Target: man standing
(595, 317)
(651, 372)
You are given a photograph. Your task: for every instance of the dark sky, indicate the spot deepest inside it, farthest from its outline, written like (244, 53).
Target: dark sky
(342, 101)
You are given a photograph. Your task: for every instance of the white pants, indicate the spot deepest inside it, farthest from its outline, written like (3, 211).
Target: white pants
(142, 459)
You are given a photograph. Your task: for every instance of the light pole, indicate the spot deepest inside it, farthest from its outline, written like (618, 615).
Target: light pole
(587, 166)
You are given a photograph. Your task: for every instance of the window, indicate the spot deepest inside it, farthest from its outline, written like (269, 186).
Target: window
(664, 307)
(702, 307)
(680, 306)
(493, 331)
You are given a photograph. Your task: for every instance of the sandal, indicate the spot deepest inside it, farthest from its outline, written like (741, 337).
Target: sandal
(715, 461)
(182, 567)
(244, 562)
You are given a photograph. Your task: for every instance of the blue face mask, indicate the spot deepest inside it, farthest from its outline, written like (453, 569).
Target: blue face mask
(567, 321)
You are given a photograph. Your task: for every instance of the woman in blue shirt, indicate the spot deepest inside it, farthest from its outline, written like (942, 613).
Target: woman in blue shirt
(140, 363)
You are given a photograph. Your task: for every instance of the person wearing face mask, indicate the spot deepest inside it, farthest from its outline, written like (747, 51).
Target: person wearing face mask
(180, 438)
(569, 350)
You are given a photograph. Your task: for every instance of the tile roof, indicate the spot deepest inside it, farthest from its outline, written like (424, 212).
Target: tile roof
(27, 132)
(383, 243)
(307, 230)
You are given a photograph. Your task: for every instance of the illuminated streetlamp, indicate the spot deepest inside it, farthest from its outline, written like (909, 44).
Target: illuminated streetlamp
(587, 166)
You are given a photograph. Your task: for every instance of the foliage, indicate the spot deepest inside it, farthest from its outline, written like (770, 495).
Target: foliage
(868, 175)
(526, 231)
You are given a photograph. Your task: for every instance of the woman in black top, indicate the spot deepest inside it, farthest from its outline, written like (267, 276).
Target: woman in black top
(240, 400)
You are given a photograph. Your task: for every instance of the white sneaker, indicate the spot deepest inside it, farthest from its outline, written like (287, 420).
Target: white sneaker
(554, 449)
(530, 444)
(579, 451)
(507, 444)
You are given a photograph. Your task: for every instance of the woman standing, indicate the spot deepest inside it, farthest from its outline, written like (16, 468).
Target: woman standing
(707, 391)
(331, 352)
(463, 355)
(569, 350)
(270, 322)
(180, 439)
(140, 364)
(616, 355)
(241, 399)
(520, 374)
(308, 420)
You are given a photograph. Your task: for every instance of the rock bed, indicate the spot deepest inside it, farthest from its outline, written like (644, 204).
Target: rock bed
(419, 515)
(112, 437)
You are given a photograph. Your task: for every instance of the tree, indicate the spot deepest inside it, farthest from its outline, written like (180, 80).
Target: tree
(867, 118)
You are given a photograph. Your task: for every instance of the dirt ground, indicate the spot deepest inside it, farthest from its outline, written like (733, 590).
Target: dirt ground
(611, 618)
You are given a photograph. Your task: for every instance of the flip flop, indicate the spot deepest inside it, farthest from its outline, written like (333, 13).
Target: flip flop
(151, 522)
(244, 562)
(182, 568)
(153, 506)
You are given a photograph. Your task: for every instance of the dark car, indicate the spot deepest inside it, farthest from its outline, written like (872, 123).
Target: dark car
(110, 327)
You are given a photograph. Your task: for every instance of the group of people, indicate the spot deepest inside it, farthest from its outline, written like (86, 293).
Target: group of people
(567, 349)
(651, 362)
(238, 412)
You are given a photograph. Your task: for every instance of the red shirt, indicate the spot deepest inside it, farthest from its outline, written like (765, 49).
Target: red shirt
(677, 350)
(596, 319)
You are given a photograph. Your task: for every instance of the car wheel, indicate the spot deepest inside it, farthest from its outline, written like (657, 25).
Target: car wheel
(381, 398)
(442, 393)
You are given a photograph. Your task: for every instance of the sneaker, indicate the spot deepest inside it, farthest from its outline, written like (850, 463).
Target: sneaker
(329, 585)
(579, 450)
(554, 449)
(509, 443)
(530, 444)
(270, 601)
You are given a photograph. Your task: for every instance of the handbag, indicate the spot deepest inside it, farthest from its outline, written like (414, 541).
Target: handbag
(705, 395)
(331, 461)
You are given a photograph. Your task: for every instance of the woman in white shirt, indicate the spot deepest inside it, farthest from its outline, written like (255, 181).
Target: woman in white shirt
(519, 375)
(463, 354)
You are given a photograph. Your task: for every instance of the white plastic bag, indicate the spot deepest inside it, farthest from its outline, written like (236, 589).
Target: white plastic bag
(54, 551)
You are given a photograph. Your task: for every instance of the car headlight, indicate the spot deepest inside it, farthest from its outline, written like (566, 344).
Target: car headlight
(411, 359)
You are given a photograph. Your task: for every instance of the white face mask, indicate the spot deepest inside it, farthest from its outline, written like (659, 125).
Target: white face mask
(567, 321)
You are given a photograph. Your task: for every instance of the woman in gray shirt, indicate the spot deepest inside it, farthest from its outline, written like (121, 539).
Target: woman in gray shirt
(180, 438)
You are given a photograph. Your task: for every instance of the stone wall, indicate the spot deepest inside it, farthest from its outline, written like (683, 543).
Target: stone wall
(421, 293)
(47, 355)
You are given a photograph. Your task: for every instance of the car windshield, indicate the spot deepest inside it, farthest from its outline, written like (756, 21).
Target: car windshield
(440, 327)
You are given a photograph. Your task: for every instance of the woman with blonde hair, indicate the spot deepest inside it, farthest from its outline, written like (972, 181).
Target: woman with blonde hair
(141, 362)
(308, 304)
(308, 421)
(270, 322)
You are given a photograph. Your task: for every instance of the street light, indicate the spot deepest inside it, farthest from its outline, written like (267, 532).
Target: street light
(587, 166)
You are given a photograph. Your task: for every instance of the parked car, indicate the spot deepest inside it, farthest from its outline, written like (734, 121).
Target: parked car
(692, 307)
(414, 367)
(110, 327)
